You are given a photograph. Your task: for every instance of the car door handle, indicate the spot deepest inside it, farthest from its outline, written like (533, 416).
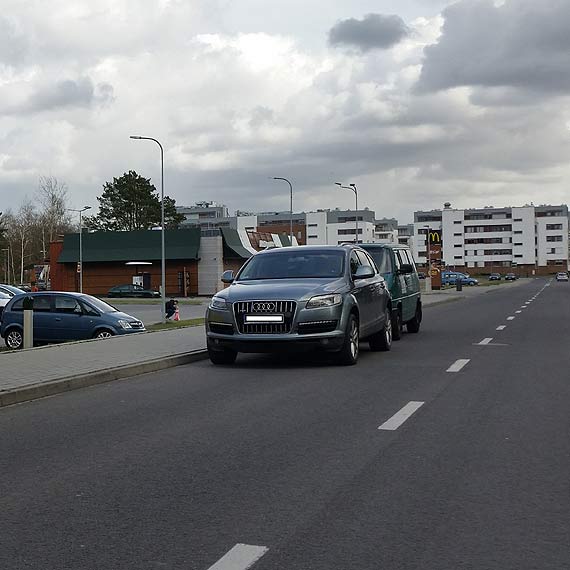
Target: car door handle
(57, 320)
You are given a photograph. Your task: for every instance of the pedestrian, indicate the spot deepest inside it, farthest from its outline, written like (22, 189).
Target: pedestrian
(171, 308)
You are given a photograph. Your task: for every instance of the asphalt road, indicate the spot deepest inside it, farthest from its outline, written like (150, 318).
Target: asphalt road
(278, 464)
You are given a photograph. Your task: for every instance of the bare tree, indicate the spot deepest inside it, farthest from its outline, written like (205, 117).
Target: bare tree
(53, 218)
(20, 229)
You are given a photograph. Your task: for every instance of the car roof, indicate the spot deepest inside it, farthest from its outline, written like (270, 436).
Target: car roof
(342, 248)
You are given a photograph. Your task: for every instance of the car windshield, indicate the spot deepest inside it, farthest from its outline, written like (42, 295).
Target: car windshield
(101, 306)
(294, 264)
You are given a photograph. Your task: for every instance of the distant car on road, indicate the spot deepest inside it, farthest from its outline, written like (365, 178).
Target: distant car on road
(451, 278)
(562, 276)
(510, 277)
(495, 277)
(60, 317)
(132, 291)
(10, 290)
(301, 298)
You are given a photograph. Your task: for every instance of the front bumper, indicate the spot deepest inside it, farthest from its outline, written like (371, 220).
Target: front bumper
(223, 333)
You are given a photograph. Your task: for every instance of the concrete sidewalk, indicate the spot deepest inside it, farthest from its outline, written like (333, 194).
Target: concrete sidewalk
(38, 372)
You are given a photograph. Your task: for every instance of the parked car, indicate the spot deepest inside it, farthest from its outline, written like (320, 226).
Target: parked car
(495, 277)
(396, 265)
(301, 298)
(60, 317)
(510, 277)
(132, 291)
(10, 290)
(451, 278)
(562, 276)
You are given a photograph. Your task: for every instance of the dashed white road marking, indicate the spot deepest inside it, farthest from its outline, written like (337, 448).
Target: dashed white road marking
(240, 557)
(518, 312)
(510, 318)
(400, 417)
(458, 365)
(501, 327)
(485, 341)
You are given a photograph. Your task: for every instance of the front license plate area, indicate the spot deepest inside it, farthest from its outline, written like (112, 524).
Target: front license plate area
(256, 319)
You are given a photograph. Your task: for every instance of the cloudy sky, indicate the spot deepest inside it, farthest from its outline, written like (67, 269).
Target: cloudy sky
(418, 102)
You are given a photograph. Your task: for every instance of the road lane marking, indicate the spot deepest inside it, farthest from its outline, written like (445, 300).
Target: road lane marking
(400, 417)
(501, 327)
(485, 341)
(240, 557)
(458, 365)
(510, 318)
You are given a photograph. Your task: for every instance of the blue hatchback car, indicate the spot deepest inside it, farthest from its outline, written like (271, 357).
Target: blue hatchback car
(59, 317)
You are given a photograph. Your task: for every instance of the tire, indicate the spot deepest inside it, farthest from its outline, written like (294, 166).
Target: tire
(348, 354)
(397, 324)
(218, 357)
(413, 326)
(103, 333)
(382, 340)
(14, 339)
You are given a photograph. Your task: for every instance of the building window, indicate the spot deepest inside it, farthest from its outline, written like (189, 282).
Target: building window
(517, 220)
(518, 243)
(313, 237)
(350, 231)
(457, 235)
(313, 225)
(456, 221)
(458, 245)
(553, 226)
(553, 238)
(457, 257)
(518, 232)
(518, 255)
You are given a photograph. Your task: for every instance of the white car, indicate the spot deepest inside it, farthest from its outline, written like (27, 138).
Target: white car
(562, 276)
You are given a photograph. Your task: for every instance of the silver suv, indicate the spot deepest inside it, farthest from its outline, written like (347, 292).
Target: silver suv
(299, 298)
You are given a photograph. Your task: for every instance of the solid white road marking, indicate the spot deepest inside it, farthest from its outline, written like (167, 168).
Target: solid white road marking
(458, 365)
(485, 341)
(400, 417)
(501, 327)
(510, 318)
(240, 557)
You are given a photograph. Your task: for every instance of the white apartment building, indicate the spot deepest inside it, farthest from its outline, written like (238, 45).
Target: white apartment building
(334, 227)
(533, 239)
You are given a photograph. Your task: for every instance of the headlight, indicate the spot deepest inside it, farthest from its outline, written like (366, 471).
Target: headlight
(124, 324)
(218, 303)
(324, 301)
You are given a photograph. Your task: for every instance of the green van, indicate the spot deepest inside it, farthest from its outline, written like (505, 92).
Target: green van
(396, 264)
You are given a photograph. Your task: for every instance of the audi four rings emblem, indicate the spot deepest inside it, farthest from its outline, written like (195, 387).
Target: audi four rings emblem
(263, 307)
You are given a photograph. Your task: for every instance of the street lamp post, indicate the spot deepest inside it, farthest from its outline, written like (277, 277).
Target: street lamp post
(162, 248)
(428, 276)
(80, 243)
(355, 190)
(290, 207)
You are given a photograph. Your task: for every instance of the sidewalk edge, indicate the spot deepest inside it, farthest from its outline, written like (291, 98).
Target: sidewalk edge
(42, 390)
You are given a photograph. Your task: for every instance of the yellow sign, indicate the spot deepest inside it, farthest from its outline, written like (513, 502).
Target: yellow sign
(434, 272)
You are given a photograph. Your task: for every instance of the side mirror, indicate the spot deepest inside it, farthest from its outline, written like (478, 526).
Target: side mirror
(405, 269)
(228, 276)
(364, 272)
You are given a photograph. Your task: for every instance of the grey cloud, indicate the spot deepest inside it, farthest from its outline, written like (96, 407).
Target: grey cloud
(522, 44)
(70, 93)
(374, 31)
(13, 45)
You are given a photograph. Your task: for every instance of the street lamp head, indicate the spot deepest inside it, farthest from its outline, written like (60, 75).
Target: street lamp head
(135, 137)
(86, 207)
(353, 185)
(339, 184)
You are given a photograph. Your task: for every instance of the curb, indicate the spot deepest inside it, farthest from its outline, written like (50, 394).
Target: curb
(42, 390)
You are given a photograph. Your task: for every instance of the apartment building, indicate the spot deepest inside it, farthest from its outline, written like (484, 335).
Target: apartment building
(334, 227)
(532, 239)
